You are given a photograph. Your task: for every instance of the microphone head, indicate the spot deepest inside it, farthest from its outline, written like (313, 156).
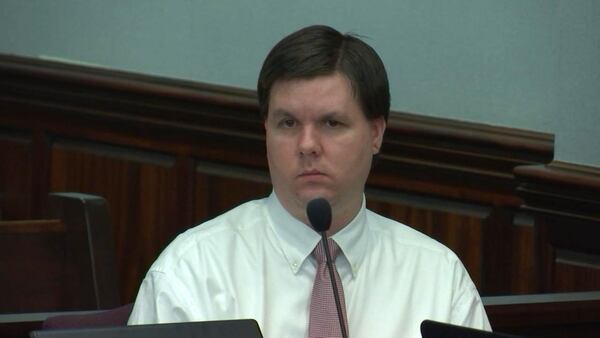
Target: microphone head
(319, 214)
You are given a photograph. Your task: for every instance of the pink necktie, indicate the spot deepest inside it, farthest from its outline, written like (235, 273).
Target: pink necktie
(324, 320)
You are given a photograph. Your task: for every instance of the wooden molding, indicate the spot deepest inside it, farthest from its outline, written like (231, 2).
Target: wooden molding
(565, 199)
(453, 153)
(545, 315)
(561, 189)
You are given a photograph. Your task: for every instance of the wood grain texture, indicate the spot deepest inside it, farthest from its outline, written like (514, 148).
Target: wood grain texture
(64, 262)
(27, 285)
(221, 187)
(141, 188)
(565, 199)
(16, 175)
(523, 256)
(575, 271)
(560, 315)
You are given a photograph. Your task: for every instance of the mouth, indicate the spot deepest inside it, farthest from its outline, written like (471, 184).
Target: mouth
(309, 173)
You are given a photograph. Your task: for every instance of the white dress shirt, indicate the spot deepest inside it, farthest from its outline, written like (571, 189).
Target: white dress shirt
(254, 262)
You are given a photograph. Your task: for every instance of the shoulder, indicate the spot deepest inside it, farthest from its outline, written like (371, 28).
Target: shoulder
(420, 256)
(405, 239)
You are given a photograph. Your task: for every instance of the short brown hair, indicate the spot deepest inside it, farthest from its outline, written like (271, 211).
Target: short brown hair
(321, 50)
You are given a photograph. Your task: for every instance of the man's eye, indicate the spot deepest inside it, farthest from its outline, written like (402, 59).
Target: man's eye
(287, 123)
(332, 123)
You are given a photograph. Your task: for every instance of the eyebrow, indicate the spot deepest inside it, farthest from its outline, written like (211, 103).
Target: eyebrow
(284, 113)
(280, 112)
(332, 115)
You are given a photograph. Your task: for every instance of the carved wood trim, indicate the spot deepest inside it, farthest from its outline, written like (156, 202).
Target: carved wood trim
(565, 199)
(561, 189)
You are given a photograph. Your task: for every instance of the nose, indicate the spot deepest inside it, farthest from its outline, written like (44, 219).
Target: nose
(309, 142)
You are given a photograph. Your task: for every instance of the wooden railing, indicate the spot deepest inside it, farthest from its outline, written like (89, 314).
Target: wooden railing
(561, 315)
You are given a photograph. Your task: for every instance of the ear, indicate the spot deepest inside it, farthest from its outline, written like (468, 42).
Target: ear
(377, 130)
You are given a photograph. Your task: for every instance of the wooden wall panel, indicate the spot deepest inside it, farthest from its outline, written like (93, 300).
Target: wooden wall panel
(27, 285)
(575, 271)
(221, 187)
(565, 201)
(65, 262)
(560, 315)
(141, 190)
(509, 254)
(524, 278)
(16, 175)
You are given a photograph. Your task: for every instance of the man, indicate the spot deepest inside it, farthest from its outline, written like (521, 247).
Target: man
(325, 99)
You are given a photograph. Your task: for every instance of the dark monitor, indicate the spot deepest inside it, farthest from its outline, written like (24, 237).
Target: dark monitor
(242, 328)
(432, 329)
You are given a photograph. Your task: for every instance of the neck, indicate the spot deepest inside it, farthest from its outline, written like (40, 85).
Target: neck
(341, 218)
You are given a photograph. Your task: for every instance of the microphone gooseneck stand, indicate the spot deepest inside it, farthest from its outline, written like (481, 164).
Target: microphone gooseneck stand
(319, 215)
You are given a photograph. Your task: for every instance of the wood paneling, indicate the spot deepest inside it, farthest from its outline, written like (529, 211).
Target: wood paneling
(575, 271)
(524, 278)
(16, 170)
(141, 188)
(220, 188)
(560, 315)
(27, 285)
(65, 262)
(565, 199)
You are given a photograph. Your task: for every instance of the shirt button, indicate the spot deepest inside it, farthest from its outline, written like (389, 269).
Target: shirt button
(294, 265)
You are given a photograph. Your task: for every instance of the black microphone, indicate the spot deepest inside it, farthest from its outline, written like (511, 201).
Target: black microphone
(319, 215)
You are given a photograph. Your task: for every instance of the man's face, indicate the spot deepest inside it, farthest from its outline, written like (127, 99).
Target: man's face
(320, 144)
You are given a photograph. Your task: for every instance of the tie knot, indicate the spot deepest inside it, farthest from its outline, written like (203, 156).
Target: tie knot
(319, 251)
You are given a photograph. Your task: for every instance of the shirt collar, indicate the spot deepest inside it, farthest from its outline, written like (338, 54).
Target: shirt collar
(298, 239)
(353, 239)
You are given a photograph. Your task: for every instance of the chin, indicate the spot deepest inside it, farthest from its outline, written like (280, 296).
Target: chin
(308, 196)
